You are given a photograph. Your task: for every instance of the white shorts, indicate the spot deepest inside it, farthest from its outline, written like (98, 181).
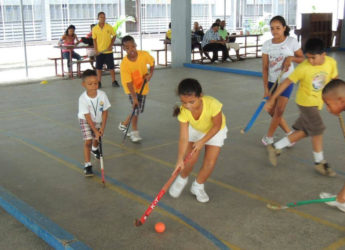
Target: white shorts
(234, 46)
(216, 140)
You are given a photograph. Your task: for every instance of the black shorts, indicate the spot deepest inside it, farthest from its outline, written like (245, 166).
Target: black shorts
(107, 59)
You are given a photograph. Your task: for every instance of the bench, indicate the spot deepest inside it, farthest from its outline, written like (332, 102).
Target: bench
(166, 59)
(55, 59)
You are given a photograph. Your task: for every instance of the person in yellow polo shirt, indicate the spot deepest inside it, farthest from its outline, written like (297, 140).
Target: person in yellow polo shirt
(313, 74)
(103, 36)
(202, 124)
(134, 72)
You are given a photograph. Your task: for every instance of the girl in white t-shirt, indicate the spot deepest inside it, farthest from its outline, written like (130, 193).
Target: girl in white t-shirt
(278, 54)
(92, 114)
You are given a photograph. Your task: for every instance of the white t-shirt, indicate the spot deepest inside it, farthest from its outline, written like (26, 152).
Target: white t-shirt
(277, 52)
(93, 106)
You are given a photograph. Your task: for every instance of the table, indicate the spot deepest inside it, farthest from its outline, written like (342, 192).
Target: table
(70, 48)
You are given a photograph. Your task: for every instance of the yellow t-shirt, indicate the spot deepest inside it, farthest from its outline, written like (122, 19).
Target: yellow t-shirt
(134, 71)
(168, 34)
(211, 108)
(103, 37)
(312, 80)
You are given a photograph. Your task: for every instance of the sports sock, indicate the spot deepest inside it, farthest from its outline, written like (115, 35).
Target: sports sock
(282, 143)
(87, 164)
(94, 148)
(318, 156)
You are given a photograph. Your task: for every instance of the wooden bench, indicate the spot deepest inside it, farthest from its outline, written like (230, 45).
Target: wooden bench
(55, 59)
(166, 59)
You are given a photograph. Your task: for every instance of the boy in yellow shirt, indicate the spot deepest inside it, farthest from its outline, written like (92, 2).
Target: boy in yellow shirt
(334, 97)
(133, 70)
(313, 74)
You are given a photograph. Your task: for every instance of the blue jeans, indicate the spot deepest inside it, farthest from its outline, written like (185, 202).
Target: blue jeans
(65, 55)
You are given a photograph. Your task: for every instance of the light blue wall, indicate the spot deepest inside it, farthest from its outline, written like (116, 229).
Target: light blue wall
(181, 32)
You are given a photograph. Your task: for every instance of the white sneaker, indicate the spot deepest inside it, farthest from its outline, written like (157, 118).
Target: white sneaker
(267, 140)
(122, 128)
(199, 191)
(291, 144)
(340, 206)
(177, 187)
(135, 137)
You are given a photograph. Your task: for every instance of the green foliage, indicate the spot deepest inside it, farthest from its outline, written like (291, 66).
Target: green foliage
(120, 22)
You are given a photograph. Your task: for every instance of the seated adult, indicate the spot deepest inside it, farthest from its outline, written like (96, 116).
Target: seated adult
(168, 34)
(230, 41)
(197, 36)
(213, 42)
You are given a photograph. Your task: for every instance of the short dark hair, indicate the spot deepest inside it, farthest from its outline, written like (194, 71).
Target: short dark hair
(92, 25)
(188, 86)
(127, 39)
(87, 73)
(214, 25)
(283, 22)
(217, 20)
(333, 85)
(100, 13)
(170, 25)
(314, 46)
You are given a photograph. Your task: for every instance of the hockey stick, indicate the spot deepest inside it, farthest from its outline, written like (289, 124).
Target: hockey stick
(133, 112)
(262, 104)
(299, 203)
(101, 159)
(341, 121)
(160, 194)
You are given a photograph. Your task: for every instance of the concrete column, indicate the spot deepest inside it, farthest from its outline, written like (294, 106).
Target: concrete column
(342, 41)
(181, 32)
(46, 20)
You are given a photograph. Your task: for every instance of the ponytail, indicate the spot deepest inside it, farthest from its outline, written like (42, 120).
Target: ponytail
(283, 22)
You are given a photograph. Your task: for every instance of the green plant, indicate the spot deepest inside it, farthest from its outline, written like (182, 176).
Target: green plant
(259, 27)
(120, 22)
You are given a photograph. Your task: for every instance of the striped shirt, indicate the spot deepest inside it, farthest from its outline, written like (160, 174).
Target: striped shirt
(209, 36)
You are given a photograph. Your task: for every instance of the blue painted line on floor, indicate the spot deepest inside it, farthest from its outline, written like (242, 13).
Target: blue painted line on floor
(43, 227)
(222, 69)
(342, 49)
(147, 197)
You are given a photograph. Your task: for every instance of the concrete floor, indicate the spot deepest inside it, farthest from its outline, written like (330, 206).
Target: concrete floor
(41, 152)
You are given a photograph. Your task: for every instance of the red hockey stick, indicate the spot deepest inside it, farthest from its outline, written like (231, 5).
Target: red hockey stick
(160, 194)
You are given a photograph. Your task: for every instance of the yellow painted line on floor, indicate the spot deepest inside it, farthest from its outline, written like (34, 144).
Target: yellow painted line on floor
(116, 155)
(118, 190)
(336, 245)
(158, 146)
(251, 195)
(227, 186)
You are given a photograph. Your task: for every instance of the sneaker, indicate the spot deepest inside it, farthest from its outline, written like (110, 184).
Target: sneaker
(115, 84)
(95, 153)
(99, 85)
(267, 140)
(293, 143)
(135, 137)
(340, 206)
(272, 154)
(88, 171)
(324, 169)
(199, 191)
(176, 188)
(122, 128)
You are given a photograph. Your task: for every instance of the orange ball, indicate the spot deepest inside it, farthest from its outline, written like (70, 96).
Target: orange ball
(160, 227)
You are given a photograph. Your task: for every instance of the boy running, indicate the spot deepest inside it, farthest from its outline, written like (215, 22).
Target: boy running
(134, 71)
(313, 74)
